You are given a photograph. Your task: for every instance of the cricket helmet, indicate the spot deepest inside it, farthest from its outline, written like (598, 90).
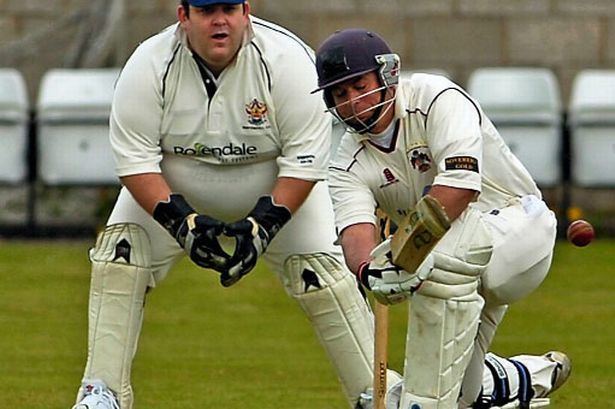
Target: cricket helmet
(351, 53)
(347, 54)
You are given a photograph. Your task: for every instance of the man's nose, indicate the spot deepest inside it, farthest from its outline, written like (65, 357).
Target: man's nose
(355, 98)
(218, 17)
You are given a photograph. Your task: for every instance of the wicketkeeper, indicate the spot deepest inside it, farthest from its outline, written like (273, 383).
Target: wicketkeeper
(217, 138)
(423, 149)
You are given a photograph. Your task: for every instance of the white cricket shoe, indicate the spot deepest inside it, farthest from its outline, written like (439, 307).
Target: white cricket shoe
(562, 369)
(96, 395)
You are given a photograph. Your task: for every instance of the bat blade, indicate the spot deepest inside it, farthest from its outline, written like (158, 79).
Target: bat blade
(419, 233)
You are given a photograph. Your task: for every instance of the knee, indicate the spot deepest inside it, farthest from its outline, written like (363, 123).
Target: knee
(304, 273)
(504, 286)
(122, 250)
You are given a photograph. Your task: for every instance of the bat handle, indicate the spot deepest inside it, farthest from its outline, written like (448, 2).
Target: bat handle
(381, 315)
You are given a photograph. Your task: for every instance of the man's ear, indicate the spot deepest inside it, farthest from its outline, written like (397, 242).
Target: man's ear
(182, 14)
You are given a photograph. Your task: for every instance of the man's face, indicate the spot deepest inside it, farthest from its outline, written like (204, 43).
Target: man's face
(215, 32)
(357, 99)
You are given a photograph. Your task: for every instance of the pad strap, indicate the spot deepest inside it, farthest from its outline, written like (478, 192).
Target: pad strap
(526, 393)
(501, 386)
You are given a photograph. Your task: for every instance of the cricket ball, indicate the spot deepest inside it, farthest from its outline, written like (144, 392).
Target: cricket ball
(580, 233)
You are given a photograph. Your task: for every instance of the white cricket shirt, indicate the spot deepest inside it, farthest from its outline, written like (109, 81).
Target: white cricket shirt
(258, 110)
(442, 137)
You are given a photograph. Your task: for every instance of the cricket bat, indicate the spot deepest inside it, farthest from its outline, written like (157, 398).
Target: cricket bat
(381, 331)
(381, 343)
(414, 238)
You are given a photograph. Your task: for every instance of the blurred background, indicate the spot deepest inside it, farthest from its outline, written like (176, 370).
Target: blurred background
(540, 68)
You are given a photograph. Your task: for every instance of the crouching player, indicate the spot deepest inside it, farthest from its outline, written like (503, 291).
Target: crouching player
(420, 141)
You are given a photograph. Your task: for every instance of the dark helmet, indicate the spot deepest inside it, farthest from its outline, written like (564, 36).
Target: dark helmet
(348, 53)
(351, 53)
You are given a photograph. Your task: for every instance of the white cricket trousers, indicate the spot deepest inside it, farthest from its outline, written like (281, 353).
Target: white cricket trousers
(523, 240)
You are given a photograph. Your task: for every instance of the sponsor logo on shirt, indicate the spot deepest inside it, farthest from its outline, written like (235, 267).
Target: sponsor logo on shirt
(389, 178)
(461, 163)
(420, 160)
(306, 159)
(257, 115)
(227, 153)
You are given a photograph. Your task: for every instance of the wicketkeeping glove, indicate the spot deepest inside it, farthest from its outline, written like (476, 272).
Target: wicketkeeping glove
(391, 284)
(196, 233)
(252, 235)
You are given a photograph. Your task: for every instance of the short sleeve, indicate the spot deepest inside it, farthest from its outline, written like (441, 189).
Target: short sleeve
(304, 126)
(353, 201)
(136, 113)
(453, 130)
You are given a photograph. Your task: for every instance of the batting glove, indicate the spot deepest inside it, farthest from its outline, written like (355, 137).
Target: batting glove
(391, 284)
(252, 236)
(197, 234)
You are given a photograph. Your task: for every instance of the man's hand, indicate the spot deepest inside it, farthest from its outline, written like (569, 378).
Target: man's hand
(252, 235)
(389, 283)
(196, 234)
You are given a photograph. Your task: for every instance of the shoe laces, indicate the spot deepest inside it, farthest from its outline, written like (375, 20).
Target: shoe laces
(105, 393)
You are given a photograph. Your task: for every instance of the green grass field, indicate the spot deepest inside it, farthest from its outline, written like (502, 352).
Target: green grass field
(250, 347)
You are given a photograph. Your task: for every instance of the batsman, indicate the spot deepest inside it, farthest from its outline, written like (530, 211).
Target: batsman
(474, 234)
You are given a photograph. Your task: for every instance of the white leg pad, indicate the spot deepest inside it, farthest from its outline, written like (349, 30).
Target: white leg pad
(438, 348)
(327, 291)
(444, 317)
(121, 274)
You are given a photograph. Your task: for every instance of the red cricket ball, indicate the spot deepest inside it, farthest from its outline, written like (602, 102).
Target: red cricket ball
(580, 233)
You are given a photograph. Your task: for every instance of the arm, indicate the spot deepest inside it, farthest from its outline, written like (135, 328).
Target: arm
(454, 200)
(135, 123)
(373, 268)
(358, 240)
(291, 192)
(456, 142)
(196, 234)
(304, 136)
(147, 189)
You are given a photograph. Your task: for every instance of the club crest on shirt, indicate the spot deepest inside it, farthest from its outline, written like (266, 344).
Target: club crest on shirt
(420, 160)
(389, 178)
(257, 114)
